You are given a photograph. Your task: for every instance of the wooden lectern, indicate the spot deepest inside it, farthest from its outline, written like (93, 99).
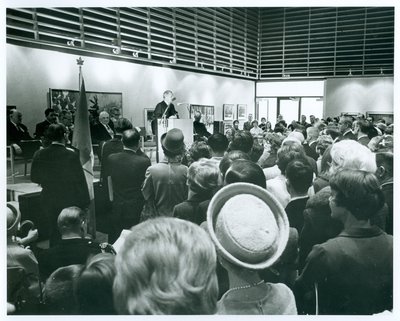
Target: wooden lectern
(164, 125)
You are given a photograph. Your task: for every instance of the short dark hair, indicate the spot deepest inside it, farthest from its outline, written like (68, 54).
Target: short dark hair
(245, 171)
(199, 150)
(122, 125)
(55, 132)
(385, 159)
(229, 158)
(256, 151)
(300, 175)
(242, 140)
(218, 142)
(358, 191)
(235, 122)
(364, 125)
(94, 286)
(130, 138)
(48, 111)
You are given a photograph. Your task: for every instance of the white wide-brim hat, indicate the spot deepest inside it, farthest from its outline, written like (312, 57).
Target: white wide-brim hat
(248, 226)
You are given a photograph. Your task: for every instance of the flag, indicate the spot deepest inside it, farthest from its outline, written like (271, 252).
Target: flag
(82, 141)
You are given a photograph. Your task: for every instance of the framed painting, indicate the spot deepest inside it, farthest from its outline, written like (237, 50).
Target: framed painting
(207, 113)
(148, 116)
(228, 112)
(241, 111)
(66, 99)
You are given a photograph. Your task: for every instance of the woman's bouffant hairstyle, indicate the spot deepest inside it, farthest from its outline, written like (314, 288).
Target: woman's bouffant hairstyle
(229, 158)
(289, 151)
(350, 154)
(203, 176)
(274, 139)
(358, 191)
(166, 266)
(199, 150)
(323, 142)
(94, 286)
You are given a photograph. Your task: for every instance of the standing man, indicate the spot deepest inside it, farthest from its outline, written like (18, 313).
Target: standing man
(199, 129)
(345, 125)
(248, 125)
(127, 170)
(58, 170)
(311, 143)
(164, 109)
(16, 130)
(104, 130)
(51, 118)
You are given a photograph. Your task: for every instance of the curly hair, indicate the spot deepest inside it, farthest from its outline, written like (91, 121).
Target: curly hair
(166, 266)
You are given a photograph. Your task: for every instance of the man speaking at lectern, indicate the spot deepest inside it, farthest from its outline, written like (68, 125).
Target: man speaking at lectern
(164, 109)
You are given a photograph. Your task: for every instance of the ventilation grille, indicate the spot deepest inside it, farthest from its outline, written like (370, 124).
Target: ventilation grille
(253, 43)
(327, 42)
(218, 40)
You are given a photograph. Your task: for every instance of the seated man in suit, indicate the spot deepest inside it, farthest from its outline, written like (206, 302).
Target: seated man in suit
(73, 248)
(51, 118)
(16, 130)
(104, 130)
(199, 129)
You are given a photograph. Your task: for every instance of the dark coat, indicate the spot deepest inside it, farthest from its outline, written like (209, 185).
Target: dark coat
(58, 170)
(200, 130)
(294, 211)
(68, 252)
(100, 134)
(310, 150)
(127, 170)
(354, 272)
(159, 112)
(41, 129)
(387, 189)
(194, 209)
(364, 140)
(15, 135)
(348, 135)
(247, 126)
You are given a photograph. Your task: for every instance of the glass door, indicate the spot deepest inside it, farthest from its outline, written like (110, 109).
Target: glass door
(289, 109)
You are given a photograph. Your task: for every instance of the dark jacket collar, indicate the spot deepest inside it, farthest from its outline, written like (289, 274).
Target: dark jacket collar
(361, 232)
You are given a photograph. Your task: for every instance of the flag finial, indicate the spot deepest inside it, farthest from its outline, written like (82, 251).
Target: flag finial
(80, 61)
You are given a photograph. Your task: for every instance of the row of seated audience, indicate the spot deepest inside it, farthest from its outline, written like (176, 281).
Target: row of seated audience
(300, 225)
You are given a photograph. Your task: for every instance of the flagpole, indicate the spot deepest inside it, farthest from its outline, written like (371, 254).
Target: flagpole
(80, 62)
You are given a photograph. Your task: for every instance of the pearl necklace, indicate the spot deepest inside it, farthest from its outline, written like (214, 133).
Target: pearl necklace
(247, 286)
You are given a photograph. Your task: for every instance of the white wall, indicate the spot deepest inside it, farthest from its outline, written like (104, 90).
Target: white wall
(31, 72)
(358, 95)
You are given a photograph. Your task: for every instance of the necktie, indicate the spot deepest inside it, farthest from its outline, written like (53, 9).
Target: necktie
(110, 131)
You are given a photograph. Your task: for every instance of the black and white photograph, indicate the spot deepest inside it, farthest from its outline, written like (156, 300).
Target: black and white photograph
(202, 158)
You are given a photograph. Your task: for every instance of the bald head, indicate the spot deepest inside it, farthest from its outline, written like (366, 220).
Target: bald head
(16, 116)
(130, 138)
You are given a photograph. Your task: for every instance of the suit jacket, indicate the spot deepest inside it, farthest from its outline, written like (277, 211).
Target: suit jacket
(100, 134)
(194, 209)
(59, 171)
(310, 150)
(160, 109)
(41, 129)
(348, 135)
(200, 130)
(294, 211)
(247, 126)
(364, 140)
(15, 135)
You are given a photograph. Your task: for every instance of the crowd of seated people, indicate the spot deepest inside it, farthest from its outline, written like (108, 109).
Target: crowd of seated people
(292, 220)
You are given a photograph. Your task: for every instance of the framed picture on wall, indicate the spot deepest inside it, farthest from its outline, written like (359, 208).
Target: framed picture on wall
(228, 112)
(387, 116)
(66, 99)
(148, 116)
(241, 111)
(207, 113)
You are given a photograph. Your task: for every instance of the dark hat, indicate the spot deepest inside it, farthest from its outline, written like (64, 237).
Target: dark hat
(248, 226)
(172, 141)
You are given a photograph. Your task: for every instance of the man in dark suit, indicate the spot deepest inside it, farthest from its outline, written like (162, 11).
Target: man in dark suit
(362, 128)
(104, 130)
(73, 248)
(127, 171)
(200, 130)
(16, 130)
(58, 170)
(248, 124)
(51, 118)
(164, 109)
(311, 142)
(345, 125)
